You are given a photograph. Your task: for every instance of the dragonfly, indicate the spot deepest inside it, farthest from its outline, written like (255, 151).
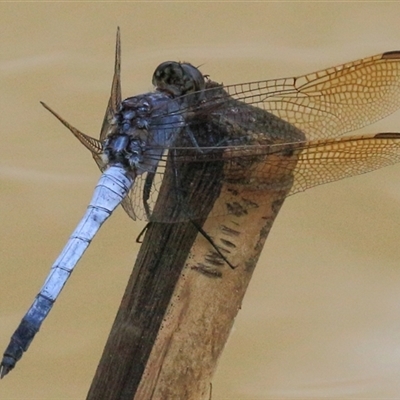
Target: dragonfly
(269, 133)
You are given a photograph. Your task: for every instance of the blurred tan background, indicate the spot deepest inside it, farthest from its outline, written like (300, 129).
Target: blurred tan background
(322, 315)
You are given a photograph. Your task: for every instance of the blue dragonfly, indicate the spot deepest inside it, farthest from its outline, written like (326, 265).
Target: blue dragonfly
(264, 133)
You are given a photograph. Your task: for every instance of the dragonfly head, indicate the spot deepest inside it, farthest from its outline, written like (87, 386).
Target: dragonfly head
(178, 79)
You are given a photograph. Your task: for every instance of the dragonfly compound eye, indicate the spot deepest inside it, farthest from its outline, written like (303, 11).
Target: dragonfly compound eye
(194, 78)
(178, 78)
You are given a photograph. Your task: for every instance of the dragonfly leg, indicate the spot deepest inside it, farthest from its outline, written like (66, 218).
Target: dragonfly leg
(148, 183)
(184, 206)
(209, 240)
(142, 232)
(193, 139)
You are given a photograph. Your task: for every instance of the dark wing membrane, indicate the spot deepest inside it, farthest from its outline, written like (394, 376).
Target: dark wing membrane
(330, 102)
(112, 107)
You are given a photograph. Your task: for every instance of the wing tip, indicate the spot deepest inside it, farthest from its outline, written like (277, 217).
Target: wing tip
(388, 135)
(391, 55)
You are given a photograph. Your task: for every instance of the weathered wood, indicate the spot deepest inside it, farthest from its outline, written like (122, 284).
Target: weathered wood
(142, 309)
(188, 301)
(205, 303)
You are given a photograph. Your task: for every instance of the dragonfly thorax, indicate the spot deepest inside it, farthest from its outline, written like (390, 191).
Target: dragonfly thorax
(135, 112)
(143, 128)
(125, 150)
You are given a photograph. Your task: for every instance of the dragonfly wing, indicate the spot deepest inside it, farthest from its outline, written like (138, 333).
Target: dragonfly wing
(321, 162)
(134, 203)
(115, 97)
(93, 145)
(330, 102)
(128, 207)
(303, 165)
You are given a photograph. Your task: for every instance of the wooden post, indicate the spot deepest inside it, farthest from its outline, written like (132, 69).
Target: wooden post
(182, 298)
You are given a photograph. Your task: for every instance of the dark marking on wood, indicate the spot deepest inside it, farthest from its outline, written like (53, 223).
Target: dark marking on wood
(250, 204)
(229, 231)
(215, 259)
(227, 243)
(233, 191)
(207, 271)
(236, 209)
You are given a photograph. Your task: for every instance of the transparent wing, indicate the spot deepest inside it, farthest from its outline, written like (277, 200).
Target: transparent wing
(324, 104)
(92, 144)
(115, 97)
(305, 165)
(96, 146)
(320, 162)
(330, 102)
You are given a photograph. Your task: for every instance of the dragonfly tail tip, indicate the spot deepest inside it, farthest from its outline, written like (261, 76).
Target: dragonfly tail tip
(3, 371)
(6, 366)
